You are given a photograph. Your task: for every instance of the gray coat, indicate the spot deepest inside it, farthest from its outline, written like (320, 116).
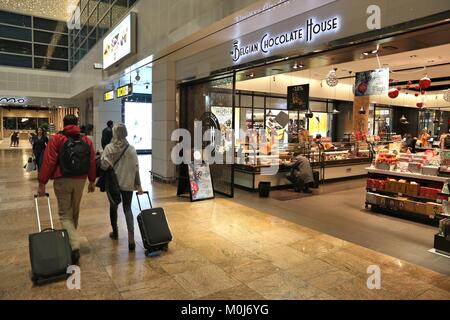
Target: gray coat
(302, 169)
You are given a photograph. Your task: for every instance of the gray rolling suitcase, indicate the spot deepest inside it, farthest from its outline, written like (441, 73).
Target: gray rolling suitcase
(154, 229)
(50, 251)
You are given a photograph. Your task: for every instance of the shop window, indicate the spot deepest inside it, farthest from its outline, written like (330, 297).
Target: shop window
(15, 19)
(51, 51)
(15, 47)
(16, 61)
(43, 122)
(27, 123)
(10, 123)
(318, 124)
(15, 33)
(318, 106)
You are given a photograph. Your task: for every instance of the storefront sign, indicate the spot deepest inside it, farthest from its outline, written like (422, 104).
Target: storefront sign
(12, 100)
(308, 33)
(125, 91)
(201, 187)
(108, 96)
(373, 82)
(298, 97)
(120, 42)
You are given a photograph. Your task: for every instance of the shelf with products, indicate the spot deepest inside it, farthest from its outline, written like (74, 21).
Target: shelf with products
(407, 193)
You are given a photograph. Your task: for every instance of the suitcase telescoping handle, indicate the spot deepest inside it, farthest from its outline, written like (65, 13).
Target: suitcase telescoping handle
(149, 200)
(37, 210)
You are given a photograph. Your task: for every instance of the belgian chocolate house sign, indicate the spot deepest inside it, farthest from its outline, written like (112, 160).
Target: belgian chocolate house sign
(311, 30)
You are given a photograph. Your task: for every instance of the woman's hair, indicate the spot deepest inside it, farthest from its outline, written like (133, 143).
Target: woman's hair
(120, 133)
(43, 131)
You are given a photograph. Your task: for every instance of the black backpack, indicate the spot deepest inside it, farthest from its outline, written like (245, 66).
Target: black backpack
(75, 157)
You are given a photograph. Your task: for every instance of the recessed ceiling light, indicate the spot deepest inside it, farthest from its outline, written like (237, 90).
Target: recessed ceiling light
(413, 56)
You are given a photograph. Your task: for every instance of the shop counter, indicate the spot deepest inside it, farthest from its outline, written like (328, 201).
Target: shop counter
(249, 176)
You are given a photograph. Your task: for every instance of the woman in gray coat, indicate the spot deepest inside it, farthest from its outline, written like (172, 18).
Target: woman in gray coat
(122, 157)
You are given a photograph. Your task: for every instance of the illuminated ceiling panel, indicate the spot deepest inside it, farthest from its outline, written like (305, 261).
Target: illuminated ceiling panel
(52, 9)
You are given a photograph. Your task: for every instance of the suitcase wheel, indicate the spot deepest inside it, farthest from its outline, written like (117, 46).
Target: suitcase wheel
(152, 253)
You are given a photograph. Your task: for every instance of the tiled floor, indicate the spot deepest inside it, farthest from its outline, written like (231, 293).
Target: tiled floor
(221, 250)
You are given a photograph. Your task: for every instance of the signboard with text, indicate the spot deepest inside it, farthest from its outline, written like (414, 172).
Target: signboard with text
(298, 97)
(371, 83)
(120, 42)
(108, 96)
(124, 91)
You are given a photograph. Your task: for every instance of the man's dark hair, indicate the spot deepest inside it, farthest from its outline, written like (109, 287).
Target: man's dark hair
(70, 119)
(109, 123)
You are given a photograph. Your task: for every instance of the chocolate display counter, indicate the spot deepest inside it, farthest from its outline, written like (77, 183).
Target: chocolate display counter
(343, 161)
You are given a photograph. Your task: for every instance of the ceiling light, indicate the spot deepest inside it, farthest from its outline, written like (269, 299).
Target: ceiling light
(403, 119)
(297, 66)
(413, 56)
(335, 111)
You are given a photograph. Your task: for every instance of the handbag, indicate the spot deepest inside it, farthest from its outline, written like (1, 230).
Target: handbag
(112, 183)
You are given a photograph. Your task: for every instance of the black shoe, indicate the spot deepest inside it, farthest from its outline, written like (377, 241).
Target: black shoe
(131, 246)
(114, 235)
(76, 257)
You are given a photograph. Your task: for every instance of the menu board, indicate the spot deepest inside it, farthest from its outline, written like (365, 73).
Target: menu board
(298, 97)
(200, 181)
(120, 42)
(371, 83)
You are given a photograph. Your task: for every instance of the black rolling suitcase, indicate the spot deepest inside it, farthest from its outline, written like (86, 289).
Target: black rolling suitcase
(50, 251)
(154, 229)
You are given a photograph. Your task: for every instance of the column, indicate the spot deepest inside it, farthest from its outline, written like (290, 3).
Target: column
(103, 112)
(164, 119)
(1, 123)
(361, 121)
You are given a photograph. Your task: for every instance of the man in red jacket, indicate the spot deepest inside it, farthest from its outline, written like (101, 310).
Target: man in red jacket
(68, 190)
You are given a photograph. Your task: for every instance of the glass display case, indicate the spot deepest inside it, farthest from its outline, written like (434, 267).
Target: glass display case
(333, 160)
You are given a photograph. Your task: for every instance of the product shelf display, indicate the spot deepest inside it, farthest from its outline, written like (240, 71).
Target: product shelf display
(408, 184)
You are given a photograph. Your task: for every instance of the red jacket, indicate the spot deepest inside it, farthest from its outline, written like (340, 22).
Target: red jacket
(50, 165)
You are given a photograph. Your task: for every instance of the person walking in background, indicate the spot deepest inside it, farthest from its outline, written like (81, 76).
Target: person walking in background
(121, 157)
(69, 159)
(107, 134)
(39, 143)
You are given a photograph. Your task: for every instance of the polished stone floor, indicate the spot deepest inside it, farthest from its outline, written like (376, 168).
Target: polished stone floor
(222, 249)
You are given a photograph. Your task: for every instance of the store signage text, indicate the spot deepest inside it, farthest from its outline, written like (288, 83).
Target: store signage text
(108, 96)
(309, 33)
(12, 100)
(124, 91)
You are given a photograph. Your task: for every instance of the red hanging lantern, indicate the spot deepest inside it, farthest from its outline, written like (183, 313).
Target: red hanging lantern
(393, 93)
(417, 87)
(419, 105)
(425, 83)
(416, 94)
(399, 88)
(391, 80)
(423, 92)
(409, 83)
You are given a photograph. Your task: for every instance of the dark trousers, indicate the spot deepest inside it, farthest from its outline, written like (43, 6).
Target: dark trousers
(298, 183)
(127, 197)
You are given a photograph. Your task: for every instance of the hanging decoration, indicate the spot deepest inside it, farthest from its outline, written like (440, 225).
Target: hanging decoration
(403, 119)
(332, 79)
(419, 105)
(425, 82)
(393, 93)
